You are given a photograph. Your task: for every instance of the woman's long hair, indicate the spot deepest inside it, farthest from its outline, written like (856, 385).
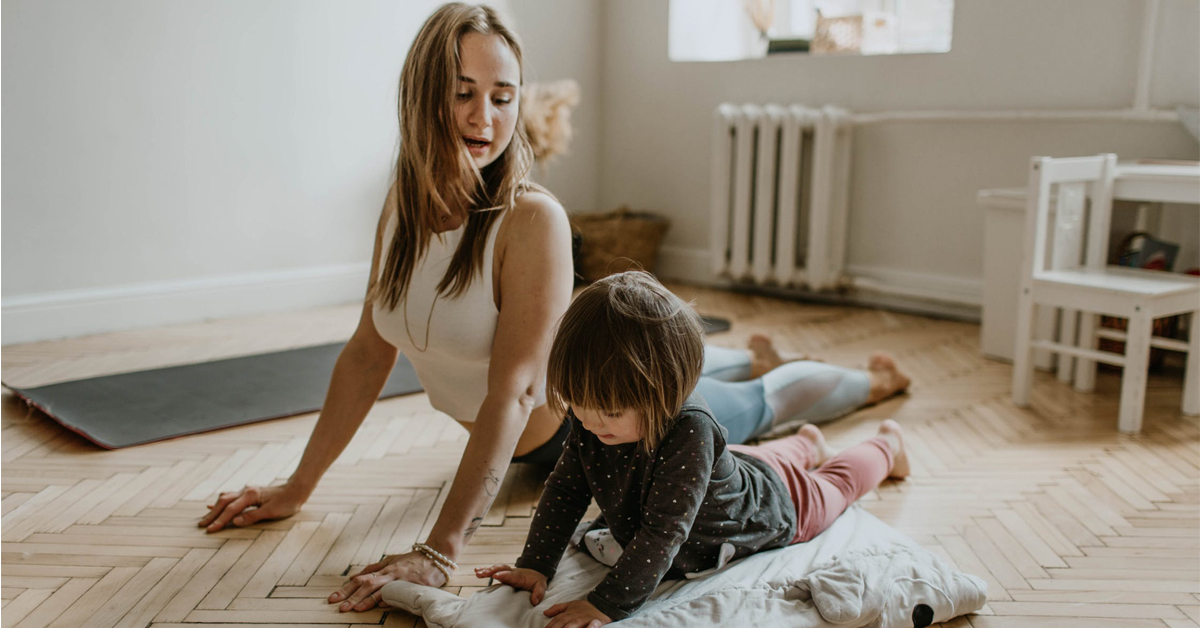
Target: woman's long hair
(434, 173)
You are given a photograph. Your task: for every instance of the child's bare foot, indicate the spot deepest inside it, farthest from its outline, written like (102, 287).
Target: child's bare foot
(764, 357)
(886, 378)
(894, 435)
(822, 451)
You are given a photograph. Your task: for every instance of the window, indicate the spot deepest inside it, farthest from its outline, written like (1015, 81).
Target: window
(726, 30)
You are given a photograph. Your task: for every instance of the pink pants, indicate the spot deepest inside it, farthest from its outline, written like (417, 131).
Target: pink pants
(824, 493)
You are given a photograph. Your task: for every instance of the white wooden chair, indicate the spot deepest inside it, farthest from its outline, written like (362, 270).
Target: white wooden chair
(1077, 278)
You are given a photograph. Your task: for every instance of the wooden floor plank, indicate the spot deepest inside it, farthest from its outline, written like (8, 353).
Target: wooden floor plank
(166, 588)
(244, 568)
(81, 610)
(17, 609)
(56, 604)
(203, 581)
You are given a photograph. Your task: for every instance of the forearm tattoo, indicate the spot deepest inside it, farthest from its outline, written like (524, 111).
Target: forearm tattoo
(473, 527)
(491, 486)
(491, 483)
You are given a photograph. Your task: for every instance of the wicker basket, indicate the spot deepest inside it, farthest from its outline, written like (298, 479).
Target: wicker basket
(616, 241)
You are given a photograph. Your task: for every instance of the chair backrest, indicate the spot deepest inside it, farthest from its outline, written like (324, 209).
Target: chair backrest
(1079, 231)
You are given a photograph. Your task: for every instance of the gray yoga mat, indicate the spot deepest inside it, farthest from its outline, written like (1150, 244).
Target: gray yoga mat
(713, 325)
(129, 409)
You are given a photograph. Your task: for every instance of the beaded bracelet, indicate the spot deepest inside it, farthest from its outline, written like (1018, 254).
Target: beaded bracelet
(436, 555)
(439, 566)
(439, 560)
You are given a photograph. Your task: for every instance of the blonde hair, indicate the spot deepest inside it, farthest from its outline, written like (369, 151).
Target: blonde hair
(627, 342)
(434, 174)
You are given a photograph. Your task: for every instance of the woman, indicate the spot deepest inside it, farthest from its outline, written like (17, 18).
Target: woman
(471, 271)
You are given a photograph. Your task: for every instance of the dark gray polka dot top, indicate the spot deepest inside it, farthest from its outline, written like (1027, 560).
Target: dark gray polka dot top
(671, 510)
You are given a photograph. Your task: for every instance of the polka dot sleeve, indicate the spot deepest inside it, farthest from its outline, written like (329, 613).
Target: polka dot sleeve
(679, 482)
(563, 503)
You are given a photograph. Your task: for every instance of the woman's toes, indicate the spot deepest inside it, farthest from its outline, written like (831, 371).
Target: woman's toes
(763, 356)
(886, 378)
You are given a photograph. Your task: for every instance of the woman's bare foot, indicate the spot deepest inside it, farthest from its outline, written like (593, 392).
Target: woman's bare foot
(894, 435)
(886, 378)
(764, 357)
(822, 451)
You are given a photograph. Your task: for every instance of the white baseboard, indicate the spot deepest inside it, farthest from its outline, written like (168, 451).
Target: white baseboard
(47, 316)
(917, 285)
(689, 265)
(936, 295)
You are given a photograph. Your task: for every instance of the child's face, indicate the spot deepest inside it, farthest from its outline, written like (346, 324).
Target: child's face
(612, 428)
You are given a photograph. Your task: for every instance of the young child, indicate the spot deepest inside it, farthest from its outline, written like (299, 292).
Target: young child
(642, 444)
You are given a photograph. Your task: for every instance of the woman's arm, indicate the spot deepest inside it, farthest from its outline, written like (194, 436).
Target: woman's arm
(361, 370)
(358, 377)
(561, 507)
(536, 276)
(563, 503)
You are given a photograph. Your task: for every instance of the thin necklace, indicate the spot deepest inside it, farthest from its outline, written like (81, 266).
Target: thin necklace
(429, 318)
(428, 321)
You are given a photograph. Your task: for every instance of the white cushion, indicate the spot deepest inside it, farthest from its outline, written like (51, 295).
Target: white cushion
(859, 572)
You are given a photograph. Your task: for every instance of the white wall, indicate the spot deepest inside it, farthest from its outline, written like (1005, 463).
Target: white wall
(171, 160)
(913, 214)
(562, 40)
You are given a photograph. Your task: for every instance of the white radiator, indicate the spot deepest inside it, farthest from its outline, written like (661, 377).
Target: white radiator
(780, 191)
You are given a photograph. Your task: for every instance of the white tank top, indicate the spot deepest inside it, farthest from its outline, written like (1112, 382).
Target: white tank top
(452, 352)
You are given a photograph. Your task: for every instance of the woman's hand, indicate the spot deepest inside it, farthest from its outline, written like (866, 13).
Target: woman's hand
(361, 593)
(577, 614)
(251, 505)
(519, 578)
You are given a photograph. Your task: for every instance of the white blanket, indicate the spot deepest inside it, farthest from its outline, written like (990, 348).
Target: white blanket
(859, 572)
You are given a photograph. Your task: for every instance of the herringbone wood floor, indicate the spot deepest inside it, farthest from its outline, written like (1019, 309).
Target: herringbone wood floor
(1070, 523)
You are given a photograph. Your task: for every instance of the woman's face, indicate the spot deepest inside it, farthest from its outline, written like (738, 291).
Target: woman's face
(488, 96)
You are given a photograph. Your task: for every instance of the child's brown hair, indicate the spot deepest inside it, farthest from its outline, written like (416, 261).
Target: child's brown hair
(627, 342)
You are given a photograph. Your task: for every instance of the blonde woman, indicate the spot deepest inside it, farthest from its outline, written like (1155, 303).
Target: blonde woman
(471, 270)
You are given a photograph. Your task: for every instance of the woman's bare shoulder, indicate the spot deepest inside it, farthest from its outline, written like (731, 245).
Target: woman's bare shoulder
(536, 215)
(539, 203)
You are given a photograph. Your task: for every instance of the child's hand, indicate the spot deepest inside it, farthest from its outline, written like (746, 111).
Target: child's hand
(517, 577)
(577, 614)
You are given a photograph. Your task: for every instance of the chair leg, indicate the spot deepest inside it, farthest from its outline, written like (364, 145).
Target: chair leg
(1066, 336)
(1085, 369)
(1191, 375)
(1133, 378)
(1022, 353)
(1045, 325)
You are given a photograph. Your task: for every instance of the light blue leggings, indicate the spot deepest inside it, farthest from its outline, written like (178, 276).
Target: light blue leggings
(808, 392)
